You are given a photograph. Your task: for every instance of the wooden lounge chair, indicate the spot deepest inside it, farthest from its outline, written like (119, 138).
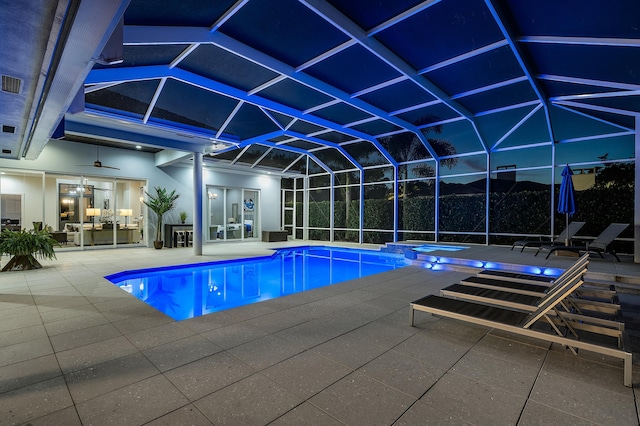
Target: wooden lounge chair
(600, 245)
(561, 239)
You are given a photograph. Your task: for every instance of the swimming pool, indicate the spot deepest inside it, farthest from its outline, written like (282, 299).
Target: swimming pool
(188, 291)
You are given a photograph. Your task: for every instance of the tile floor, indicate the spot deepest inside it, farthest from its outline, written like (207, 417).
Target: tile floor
(76, 350)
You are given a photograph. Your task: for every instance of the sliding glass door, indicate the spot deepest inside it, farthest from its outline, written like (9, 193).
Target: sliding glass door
(233, 213)
(92, 212)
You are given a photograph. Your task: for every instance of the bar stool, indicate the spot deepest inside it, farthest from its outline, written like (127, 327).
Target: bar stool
(189, 238)
(179, 239)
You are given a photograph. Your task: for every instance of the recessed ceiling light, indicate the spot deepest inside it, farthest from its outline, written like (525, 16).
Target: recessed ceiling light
(138, 147)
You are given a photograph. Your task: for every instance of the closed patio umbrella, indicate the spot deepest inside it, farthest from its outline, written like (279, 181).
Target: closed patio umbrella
(567, 202)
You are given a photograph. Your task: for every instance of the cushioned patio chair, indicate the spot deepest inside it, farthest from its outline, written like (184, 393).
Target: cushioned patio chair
(600, 245)
(566, 235)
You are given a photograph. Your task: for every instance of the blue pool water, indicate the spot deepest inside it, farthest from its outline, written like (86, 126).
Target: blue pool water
(188, 291)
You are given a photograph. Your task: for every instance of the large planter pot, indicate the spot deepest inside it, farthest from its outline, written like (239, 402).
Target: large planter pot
(158, 244)
(22, 262)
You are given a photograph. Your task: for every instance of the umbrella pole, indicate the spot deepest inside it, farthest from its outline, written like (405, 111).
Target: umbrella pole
(566, 240)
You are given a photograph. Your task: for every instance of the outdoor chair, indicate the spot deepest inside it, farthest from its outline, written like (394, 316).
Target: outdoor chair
(566, 235)
(523, 282)
(522, 323)
(600, 245)
(547, 311)
(527, 297)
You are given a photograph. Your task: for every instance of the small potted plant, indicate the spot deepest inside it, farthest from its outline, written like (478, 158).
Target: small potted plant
(24, 245)
(183, 216)
(162, 202)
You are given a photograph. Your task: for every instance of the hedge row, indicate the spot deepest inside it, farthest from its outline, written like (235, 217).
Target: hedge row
(525, 212)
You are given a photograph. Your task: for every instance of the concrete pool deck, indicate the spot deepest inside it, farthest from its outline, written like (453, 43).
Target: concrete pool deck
(76, 350)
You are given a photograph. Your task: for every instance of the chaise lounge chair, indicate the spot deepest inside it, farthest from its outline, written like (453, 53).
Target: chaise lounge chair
(517, 322)
(528, 323)
(532, 283)
(600, 245)
(562, 239)
(528, 296)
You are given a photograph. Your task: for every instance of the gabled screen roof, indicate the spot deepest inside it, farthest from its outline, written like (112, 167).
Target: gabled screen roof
(286, 78)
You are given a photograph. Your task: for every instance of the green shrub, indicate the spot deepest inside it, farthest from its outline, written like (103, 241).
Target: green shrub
(23, 245)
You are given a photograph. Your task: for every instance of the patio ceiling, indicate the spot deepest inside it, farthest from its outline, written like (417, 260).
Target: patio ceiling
(269, 83)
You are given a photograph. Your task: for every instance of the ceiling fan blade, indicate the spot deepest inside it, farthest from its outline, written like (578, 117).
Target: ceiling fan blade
(98, 164)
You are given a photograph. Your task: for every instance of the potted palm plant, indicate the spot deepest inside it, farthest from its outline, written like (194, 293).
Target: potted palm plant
(161, 203)
(24, 245)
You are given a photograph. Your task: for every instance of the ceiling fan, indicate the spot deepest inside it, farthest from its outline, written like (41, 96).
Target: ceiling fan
(98, 163)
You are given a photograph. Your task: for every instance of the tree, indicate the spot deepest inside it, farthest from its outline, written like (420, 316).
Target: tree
(616, 175)
(407, 146)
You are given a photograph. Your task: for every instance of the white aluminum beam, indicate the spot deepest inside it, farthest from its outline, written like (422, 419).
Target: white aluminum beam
(349, 28)
(585, 41)
(154, 100)
(574, 111)
(595, 95)
(401, 17)
(464, 56)
(506, 32)
(490, 87)
(588, 81)
(143, 35)
(228, 14)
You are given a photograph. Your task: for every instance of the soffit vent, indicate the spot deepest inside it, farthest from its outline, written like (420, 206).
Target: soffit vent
(11, 84)
(8, 129)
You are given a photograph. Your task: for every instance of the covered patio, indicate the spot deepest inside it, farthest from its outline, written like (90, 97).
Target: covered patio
(345, 122)
(76, 349)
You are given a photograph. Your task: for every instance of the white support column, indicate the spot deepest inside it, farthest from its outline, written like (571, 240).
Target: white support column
(332, 209)
(305, 207)
(636, 205)
(294, 220)
(361, 210)
(553, 191)
(197, 203)
(487, 195)
(436, 219)
(396, 204)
